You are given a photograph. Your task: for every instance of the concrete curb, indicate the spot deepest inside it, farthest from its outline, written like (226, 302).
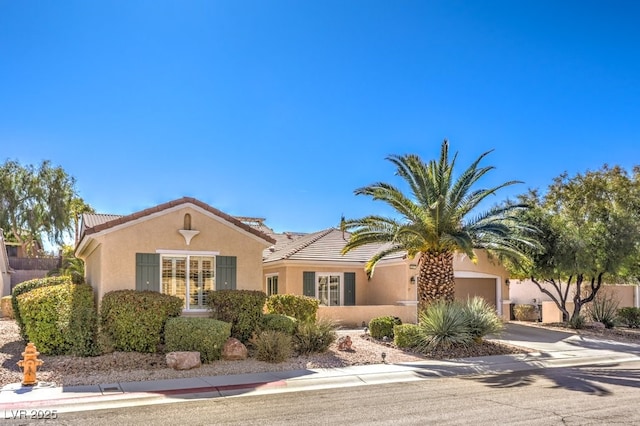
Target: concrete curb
(81, 398)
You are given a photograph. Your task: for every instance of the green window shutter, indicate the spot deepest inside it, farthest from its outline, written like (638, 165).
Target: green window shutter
(226, 272)
(349, 288)
(148, 271)
(275, 285)
(309, 284)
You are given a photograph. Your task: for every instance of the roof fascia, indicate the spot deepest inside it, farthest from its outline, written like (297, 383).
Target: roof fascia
(175, 208)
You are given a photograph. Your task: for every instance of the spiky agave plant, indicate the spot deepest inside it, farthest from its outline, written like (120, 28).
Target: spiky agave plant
(482, 318)
(443, 325)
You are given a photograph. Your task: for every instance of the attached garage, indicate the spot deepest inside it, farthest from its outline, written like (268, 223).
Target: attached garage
(482, 287)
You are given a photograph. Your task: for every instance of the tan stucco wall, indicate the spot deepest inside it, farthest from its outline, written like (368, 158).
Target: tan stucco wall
(524, 291)
(353, 316)
(290, 277)
(116, 262)
(391, 283)
(483, 264)
(623, 294)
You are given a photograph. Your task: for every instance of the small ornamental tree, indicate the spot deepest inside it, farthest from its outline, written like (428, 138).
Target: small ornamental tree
(588, 229)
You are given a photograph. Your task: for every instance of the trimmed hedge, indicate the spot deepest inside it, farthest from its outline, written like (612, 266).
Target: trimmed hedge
(303, 308)
(383, 326)
(60, 319)
(134, 320)
(277, 322)
(406, 335)
(241, 308)
(205, 335)
(27, 286)
(630, 316)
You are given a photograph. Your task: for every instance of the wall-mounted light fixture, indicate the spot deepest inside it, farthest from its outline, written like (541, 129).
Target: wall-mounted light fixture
(412, 280)
(412, 266)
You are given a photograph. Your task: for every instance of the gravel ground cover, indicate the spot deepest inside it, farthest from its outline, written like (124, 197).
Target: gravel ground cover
(130, 366)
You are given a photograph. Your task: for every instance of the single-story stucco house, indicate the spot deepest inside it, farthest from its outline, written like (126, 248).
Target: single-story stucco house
(185, 247)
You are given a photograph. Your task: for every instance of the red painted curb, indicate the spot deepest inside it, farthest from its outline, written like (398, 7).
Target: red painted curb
(129, 395)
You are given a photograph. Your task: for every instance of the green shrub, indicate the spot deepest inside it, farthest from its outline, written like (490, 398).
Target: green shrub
(577, 322)
(27, 286)
(312, 337)
(60, 319)
(443, 325)
(241, 308)
(482, 318)
(525, 313)
(629, 316)
(6, 306)
(134, 320)
(604, 309)
(272, 346)
(383, 326)
(277, 322)
(406, 335)
(205, 335)
(302, 308)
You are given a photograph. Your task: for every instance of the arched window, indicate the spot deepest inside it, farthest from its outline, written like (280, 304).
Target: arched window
(187, 222)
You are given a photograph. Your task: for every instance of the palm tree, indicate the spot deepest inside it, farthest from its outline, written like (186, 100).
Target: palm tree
(435, 221)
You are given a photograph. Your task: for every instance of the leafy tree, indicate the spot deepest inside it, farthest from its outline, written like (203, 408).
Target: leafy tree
(589, 232)
(435, 221)
(78, 207)
(35, 202)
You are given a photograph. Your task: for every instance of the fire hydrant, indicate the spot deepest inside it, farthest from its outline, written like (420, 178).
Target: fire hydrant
(30, 363)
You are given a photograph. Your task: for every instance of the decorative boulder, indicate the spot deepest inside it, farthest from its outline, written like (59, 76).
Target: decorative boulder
(595, 325)
(344, 343)
(183, 360)
(234, 350)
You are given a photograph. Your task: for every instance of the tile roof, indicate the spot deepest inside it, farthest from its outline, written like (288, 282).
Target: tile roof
(93, 223)
(325, 246)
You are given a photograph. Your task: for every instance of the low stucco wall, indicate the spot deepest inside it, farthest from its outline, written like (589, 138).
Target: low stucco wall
(353, 316)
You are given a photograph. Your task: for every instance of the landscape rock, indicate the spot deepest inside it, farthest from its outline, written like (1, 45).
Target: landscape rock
(234, 350)
(183, 360)
(344, 343)
(595, 325)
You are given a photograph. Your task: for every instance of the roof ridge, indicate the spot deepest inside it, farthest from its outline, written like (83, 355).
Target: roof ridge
(307, 243)
(121, 219)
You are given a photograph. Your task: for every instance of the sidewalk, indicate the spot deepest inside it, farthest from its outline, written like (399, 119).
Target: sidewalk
(558, 349)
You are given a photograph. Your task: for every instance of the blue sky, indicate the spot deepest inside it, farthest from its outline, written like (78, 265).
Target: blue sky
(281, 109)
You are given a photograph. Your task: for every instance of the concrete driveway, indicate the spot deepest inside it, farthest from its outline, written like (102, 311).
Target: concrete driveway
(542, 339)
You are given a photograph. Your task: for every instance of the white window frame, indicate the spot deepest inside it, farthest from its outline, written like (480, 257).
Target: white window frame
(266, 284)
(187, 256)
(340, 275)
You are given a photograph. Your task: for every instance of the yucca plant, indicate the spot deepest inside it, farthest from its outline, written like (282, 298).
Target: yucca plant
(482, 318)
(443, 325)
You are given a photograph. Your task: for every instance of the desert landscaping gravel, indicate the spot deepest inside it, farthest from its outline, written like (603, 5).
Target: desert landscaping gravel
(130, 366)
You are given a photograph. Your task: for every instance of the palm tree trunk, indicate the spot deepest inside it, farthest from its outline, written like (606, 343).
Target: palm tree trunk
(435, 280)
